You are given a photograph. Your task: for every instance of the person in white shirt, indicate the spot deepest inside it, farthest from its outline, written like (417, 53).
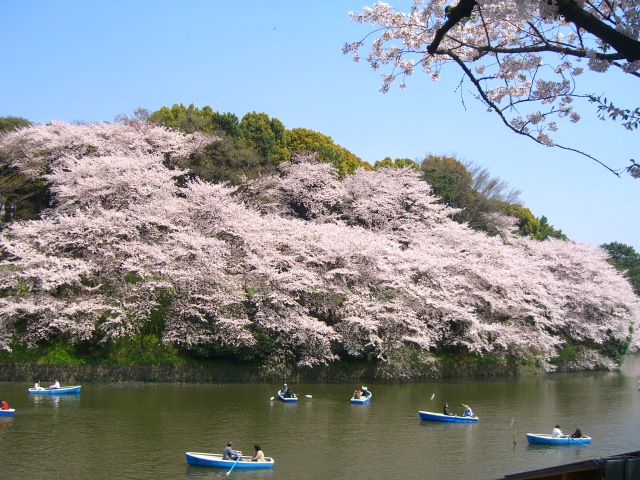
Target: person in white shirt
(557, 433)
(56, 384)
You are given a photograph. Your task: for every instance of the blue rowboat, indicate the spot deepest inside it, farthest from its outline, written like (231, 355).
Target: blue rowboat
(364, 399)
(441, 417)
(546, 439)
(7, 413)
(55, 391)
(215, 460)
(293, 398)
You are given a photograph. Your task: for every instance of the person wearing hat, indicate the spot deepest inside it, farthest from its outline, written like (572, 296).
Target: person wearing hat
(259, 456)
(557, 433)
(229, 453)
(283, 391)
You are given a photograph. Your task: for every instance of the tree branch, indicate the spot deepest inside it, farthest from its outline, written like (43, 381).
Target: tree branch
(572, 12)
(495, 108)
(454, 15)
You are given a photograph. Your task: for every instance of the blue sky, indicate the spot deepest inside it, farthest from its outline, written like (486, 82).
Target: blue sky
(92, 60)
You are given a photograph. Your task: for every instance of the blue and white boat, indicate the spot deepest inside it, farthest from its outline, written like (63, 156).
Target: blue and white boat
(441, 417)
(55, 391)
(215, 460)
(364, 399)
(546, 439)
(282, 398)
(7, 413)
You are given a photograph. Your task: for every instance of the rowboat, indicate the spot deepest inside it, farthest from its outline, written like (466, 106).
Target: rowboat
(55, 391)
(547, 439)
(364, 399)
(293, 398)
(441, 417)
(215, 460)
(7, 413)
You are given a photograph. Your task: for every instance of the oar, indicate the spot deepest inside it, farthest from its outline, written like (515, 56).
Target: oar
(234, 465)
(576, 440)
(309, 396)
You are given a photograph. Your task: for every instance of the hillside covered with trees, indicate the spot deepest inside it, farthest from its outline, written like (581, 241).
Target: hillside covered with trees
(306, 262)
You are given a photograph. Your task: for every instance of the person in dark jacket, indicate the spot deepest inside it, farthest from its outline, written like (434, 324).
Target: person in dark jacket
(229, 453)
(577, 433)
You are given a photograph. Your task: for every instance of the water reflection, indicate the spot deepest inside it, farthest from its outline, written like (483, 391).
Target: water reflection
(143, 430)
(54, 400)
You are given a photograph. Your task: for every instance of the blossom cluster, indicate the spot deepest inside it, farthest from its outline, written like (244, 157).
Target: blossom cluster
(518, 54)
(364, 266)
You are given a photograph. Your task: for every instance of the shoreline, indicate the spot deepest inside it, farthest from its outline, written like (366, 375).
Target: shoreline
(229, 373)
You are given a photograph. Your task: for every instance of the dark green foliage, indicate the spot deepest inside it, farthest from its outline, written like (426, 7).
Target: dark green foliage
(9, 123)
(226, 161)
(530, 226)
(627, 261)
(616, 349)
(397, 163)
(481, 198)
(250, 147)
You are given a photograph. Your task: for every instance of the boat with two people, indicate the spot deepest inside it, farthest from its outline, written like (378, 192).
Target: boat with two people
(361, 396)
(55, 390)
(216, 460)
(547, 439)
(441, 417)
(286, 395)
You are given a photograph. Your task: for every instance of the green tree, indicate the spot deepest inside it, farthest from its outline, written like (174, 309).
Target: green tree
(267, 135)
(21, 197)
(530, 226)
(387, 162)
(449, 179)
(9, 123)
(186, 119)
(225, 161)
(626, 260)
(305, 140)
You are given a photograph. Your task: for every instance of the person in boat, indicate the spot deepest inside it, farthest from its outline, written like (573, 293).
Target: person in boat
(365, 392)
(577, 433)
(467, 411)
(37, 385)
(229, 453)
(283, 390)
(288, 393)
(55, 384)
(356, 394)
(259, 455)
(445, 409)
(556, 432)
(4, 405)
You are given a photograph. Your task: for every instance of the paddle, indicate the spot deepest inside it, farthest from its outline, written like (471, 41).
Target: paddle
(234, 465)
(578, 441)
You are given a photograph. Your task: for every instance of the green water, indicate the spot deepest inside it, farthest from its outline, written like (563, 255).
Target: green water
(140, 431)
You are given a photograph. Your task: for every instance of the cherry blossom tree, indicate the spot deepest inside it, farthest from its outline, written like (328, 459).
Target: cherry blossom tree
(324, 267)
(523, 58)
